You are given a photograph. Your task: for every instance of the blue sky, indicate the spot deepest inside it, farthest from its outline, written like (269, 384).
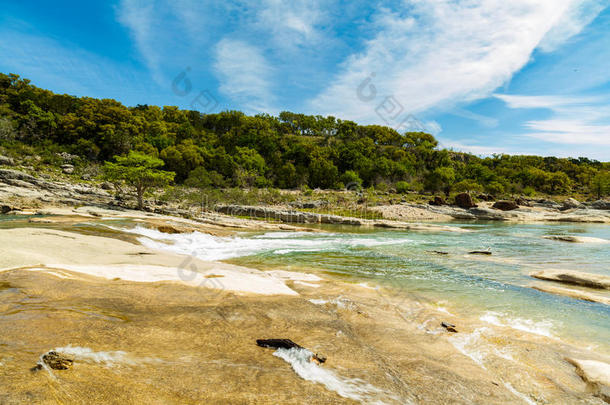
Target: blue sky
(485, 76)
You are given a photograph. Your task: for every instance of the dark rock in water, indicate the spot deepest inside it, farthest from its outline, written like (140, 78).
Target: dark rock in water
(464, 200)
(167, 229)
(5, 209)
(439, 252)
(55, 361)
(505, 205)
(278, 343)
(485, 197)
(287, 344)
(450, 327)
(437, 201)
(480, 252)
(106, 186)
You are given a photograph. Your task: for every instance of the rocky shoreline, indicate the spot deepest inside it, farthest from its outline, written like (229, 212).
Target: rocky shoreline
(20, 191)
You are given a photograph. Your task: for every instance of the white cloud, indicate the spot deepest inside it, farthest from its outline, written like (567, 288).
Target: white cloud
(291, 24)
(139, 17)
(244, 75)
(445, 52)
(570, 132)
(548, 102)
(576, 120)
(578, 15)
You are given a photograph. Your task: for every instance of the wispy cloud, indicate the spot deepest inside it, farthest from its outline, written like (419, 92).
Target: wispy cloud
(576, 120)
(433, 53)
(244, 75)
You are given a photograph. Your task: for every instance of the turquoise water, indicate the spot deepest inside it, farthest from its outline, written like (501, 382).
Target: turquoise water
(492, 288)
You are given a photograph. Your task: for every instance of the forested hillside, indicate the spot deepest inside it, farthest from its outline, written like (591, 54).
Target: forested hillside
(231, 149)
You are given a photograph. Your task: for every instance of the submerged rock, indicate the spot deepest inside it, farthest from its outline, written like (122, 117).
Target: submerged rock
(54, 361)
(449, 326)
(574, 277)
(480, 252)
(167, 229)
(572, 293)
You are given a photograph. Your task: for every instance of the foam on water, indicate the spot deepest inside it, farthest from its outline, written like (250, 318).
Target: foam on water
(110, 358)
(351, 388)
(470, 345)
(542, 328)
(208, 247)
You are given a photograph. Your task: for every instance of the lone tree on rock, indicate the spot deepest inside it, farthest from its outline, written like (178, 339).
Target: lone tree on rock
(139, 171)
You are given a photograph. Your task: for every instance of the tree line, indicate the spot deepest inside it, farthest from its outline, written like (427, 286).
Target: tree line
(232, 149)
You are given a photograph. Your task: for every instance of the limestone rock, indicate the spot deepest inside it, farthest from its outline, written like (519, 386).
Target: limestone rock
(601, 205)
(574, 277)
(6, 161)
(67, 169)
(571, 203)
(596, 374)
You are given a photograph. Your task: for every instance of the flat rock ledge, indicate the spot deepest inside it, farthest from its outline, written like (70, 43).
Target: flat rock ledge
(596, 374)
(575, 278)
(301, 217)
(572, 293)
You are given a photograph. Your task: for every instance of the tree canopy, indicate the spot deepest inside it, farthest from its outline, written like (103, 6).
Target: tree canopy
(291, 150)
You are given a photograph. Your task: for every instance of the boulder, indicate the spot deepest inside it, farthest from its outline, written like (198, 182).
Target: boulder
(523, 202)
(505, 205)
(67, 157)
(571, 203)
(464, 200)
(67, 169)
(601, 205)
(5, 209)
(6, 161)
(544, 203)
(55, 361)
(437, 201)
(485, 197)
(106, 186)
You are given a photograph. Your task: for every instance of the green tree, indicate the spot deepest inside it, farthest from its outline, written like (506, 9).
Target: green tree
(600, 184)
(468, 185)
(138, 171)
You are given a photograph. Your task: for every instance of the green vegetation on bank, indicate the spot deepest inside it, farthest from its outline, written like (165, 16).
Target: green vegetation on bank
(231, 149)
